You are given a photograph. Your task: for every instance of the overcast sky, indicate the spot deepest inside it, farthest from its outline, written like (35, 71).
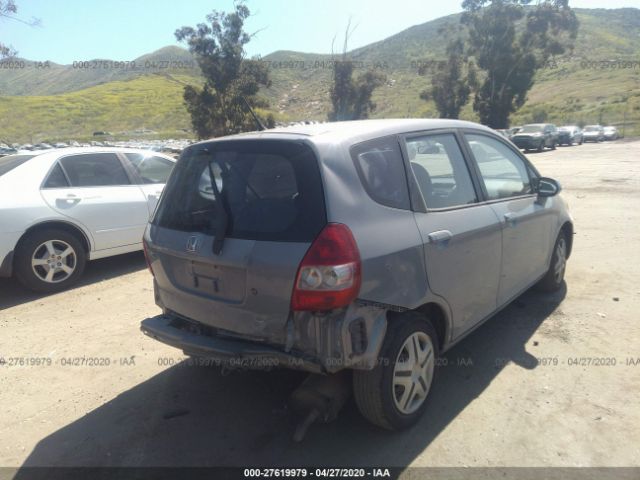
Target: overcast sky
(73, 30)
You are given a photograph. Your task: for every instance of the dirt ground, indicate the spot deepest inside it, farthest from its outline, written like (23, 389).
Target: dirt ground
(550, 381)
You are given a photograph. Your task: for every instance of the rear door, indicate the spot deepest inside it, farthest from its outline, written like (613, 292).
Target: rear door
(526, 220)
(152, 172)
(270, 193)
(462, 237)
(95, 190)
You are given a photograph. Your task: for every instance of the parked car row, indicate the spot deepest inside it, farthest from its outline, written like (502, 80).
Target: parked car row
(170, 146)
(538, 136)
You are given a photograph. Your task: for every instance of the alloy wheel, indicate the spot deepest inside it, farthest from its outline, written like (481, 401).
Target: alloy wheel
(54, 261)
(561, 260)
(413, 372)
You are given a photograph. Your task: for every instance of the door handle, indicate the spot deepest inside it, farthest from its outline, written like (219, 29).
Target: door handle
(70, 198)
(440, 238)
(510, 219)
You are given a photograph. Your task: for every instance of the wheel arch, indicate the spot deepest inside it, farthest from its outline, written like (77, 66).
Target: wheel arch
(439, 319)
(567, 229)
(62, 225)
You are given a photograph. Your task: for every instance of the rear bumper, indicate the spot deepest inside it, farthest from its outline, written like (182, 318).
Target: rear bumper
(225, 351)
(348, 338)
(527, 143)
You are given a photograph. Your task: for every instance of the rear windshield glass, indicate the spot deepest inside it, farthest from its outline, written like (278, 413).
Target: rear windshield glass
(531, 129)
(12, 161)
(270, 190)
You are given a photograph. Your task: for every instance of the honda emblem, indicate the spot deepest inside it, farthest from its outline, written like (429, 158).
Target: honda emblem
(192, 244)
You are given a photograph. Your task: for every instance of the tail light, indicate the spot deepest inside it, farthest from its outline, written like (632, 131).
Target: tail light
(146, 256)
(329, 274)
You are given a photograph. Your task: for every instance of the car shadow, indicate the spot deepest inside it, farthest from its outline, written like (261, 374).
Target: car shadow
(536, 152)
(197, 416)
(12, 293)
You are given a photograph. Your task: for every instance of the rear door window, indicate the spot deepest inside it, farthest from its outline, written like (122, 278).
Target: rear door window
(270, 190)
(441, 171)
(381, 170)
(95, 170)
(56, 178)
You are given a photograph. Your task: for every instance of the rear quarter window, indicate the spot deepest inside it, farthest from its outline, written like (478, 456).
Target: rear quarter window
(381, 170)
(271, 190)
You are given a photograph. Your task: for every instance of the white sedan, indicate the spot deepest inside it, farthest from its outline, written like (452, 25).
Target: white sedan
(61, 208)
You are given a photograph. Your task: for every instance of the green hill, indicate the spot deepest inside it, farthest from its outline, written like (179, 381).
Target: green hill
(577, 87)
(69, 101)
(27, 78)
(152, 101)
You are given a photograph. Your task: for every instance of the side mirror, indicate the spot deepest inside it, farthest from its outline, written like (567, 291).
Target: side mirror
(547, 187)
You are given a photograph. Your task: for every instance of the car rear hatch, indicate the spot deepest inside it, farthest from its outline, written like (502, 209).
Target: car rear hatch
(225, 253)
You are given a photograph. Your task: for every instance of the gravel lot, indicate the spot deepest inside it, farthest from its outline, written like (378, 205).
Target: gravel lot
(550, 381)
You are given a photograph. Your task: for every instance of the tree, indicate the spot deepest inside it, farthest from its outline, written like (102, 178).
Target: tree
(509, 55)
(7, 10)
(218, 107)
(451, 82)
(539, 115)
(351, 98)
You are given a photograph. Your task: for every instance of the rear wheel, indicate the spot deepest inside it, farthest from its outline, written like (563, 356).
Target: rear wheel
(554, 277)
(49, 260)
(394, 394)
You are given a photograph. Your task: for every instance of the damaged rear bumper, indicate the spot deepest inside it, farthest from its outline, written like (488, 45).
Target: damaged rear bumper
(318, 344)
(226, 351)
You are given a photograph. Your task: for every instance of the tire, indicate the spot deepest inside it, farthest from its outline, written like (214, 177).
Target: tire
(47, 247)
(552, 280)
(541, 146)
(375, 391)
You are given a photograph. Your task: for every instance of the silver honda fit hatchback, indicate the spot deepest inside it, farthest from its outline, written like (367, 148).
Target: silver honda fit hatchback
(368, 245)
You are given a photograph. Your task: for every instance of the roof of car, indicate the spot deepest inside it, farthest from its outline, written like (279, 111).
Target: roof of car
(77, 150)
(357, 129)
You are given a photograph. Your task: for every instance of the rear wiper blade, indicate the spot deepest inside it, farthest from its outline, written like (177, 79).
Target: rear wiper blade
(223, 214)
